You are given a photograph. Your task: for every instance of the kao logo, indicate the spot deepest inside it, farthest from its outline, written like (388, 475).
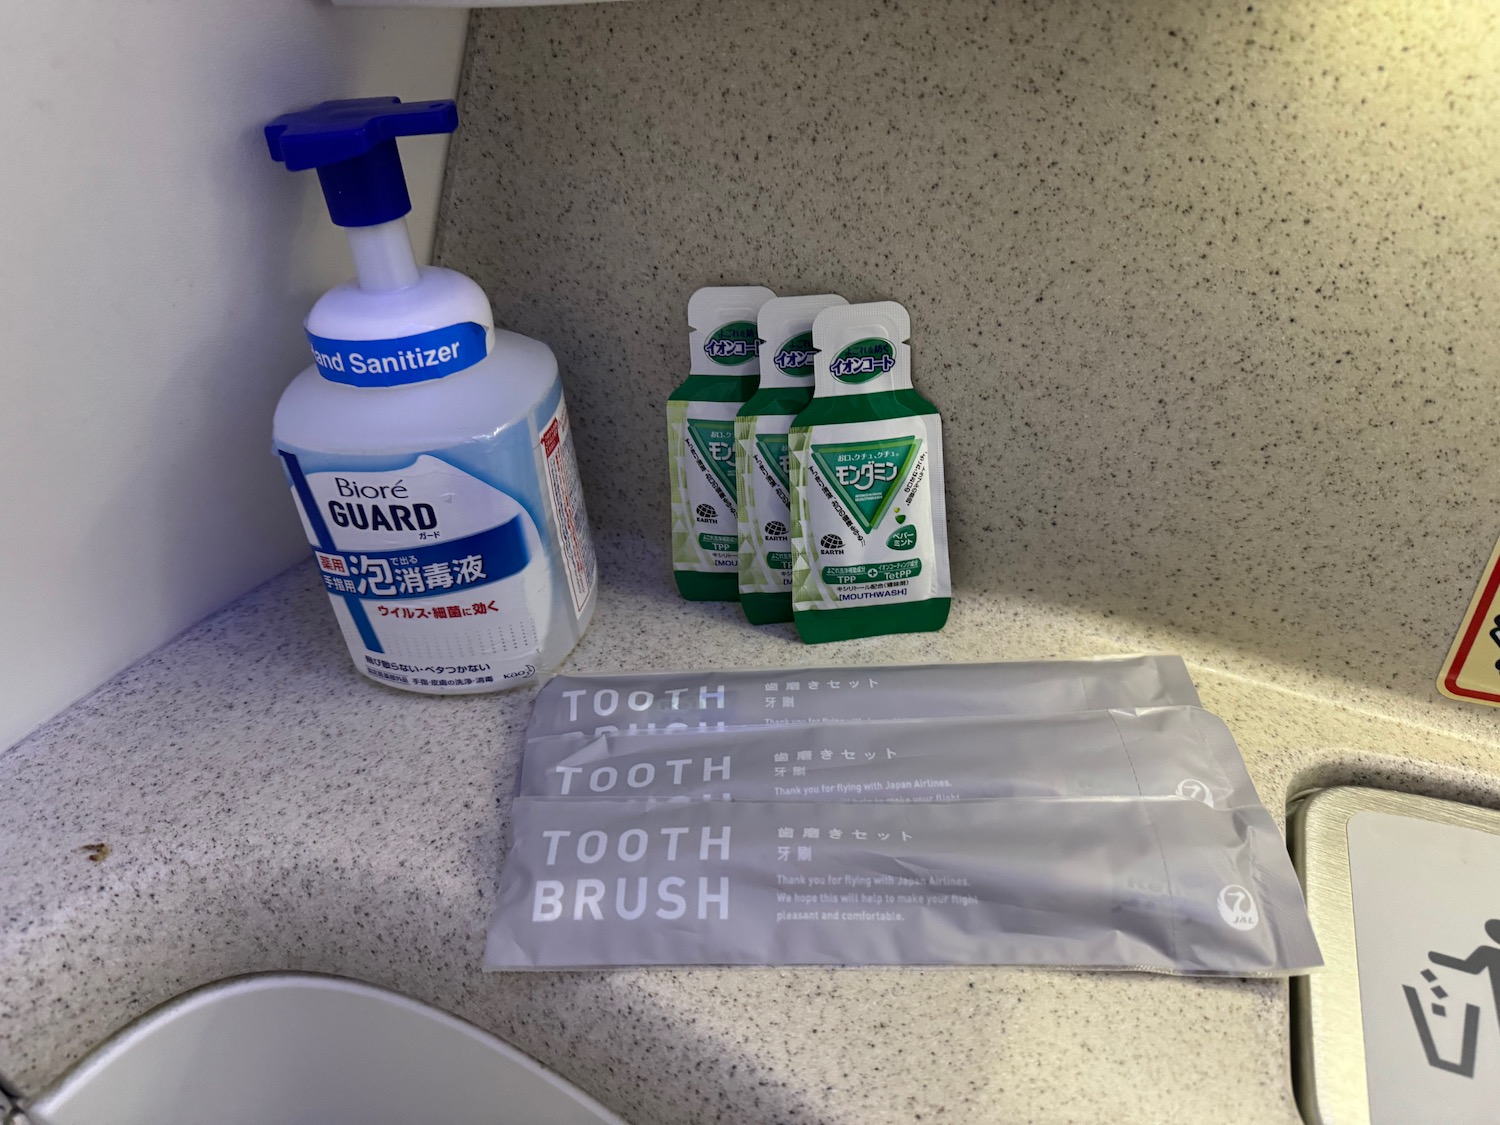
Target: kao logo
(1238, 908)
(1195, 790)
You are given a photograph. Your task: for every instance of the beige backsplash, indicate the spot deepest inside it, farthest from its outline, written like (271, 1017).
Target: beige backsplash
(1208, 294)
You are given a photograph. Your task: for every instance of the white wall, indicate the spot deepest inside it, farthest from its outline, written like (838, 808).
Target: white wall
(155, 266)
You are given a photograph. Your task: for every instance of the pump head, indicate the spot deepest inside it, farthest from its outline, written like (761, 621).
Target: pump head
(352, 144)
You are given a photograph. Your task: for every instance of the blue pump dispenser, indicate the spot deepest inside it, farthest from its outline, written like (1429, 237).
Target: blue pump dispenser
(352, 144)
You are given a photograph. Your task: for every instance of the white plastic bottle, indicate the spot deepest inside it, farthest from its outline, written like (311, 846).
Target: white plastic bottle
(428, 452)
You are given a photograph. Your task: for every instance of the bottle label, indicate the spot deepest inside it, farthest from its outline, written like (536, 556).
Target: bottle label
(405, 359)
(431, 570)
(705, 518)
(565, 493)
(765, 514)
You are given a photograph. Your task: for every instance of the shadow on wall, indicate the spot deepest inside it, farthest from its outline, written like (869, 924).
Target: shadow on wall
(135, 437)
(1205, 293)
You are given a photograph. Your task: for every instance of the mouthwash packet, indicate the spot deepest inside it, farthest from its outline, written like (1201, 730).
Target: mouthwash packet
(762, 462)
(724, 343)
(869, 523)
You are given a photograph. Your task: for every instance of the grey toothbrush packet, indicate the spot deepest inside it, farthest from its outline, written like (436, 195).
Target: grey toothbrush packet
(1162, 751)
(728, 700)
(1156, 884)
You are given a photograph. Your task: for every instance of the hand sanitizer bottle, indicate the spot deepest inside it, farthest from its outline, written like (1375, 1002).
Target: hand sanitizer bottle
(428, 452)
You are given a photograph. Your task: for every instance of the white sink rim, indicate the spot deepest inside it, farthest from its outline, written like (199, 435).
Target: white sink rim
(124, 1039)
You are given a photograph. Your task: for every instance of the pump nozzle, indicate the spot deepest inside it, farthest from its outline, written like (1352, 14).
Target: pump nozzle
(352, 144)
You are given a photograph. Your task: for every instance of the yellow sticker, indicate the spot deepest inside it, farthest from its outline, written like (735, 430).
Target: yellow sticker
(1472, 670)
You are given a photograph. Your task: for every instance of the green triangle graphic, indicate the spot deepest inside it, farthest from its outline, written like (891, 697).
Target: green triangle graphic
(715, 440)
(773, 450)
(867, 474)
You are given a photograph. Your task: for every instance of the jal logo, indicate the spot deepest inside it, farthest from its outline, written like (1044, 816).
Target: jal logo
(1238, 908)
(1195, 790)
(733, 344)
(795, 357)
(862, 360)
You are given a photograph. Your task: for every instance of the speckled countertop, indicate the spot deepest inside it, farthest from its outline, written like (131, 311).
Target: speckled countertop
(264, 807)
